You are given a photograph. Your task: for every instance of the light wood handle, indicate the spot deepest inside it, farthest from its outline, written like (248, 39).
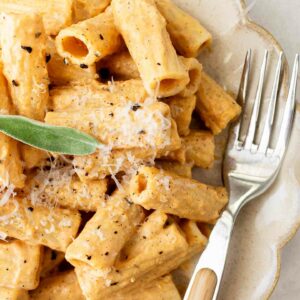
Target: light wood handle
(204, 285)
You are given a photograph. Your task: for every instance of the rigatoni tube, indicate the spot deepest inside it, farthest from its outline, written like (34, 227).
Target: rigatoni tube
(184, 170)
(20, 262)
(56, 14)
(61, 285)
(158, 64)
(61, 71)
(103, 237)
(194, 69)
(215, 107)
(85, 196)
(164, 241)
(101, 164)
(97, 95)
(197, 148)
(24, 63)
(188, 35)
(157, 189)
(53, 227)
(11, 170)
(181, 111)
(13, 294)
(119, 65)
(135, 267)
(132, 125)
(88, 41)
(86, 9)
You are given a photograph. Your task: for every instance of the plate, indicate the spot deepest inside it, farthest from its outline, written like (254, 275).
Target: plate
(266, 224)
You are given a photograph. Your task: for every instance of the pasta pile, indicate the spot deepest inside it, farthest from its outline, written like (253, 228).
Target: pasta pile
(114, 224)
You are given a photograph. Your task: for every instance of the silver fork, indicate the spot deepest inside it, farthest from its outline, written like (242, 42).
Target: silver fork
(248, 171)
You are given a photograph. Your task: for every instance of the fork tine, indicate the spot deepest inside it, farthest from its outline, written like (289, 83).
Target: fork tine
(255, 111)
(241, 98)
(289, 112)
(265, 139)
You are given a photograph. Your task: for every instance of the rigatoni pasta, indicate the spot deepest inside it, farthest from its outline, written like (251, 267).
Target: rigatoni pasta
(181, 111)
(194, 69)
(101, 164)
(115, 223)
(50, 261)
(61, 71)
(165, 240)
(52, 227)
(59, 286)
(32, 157)
(215, 107)
(78, 195)
(90, 40)
(56, 14)
(134, 265)
(19, 265)
(11, 170)
(120, 66)
(86, 9)
(187, 34)
(161, 70)
(24, 63)
(157, 189)
(96, 95)
(132, 125)
(102, 239)
(184, 169)
(197, 148)
(13, 294)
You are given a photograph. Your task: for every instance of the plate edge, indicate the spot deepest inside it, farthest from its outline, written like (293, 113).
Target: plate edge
(284, 240)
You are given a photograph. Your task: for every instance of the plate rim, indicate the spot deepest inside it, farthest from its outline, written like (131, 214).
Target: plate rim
(283, 241)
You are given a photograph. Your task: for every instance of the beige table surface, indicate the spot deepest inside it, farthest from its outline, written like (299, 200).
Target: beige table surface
(282, 19)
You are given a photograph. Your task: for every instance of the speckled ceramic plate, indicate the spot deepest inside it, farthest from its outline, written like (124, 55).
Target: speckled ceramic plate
(267, 223)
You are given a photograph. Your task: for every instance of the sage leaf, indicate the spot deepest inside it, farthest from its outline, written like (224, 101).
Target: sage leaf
(51, 138)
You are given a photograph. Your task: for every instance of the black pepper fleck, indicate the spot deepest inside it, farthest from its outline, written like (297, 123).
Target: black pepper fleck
(89, 257)
(15, 83)
(106, 253)
(37, 34)
(135, 107)
(65, 60)
(83, 66)
(114, 283)
(101, 37)
(27, 48)
(48, 57)
(25, 261)
(30, 208)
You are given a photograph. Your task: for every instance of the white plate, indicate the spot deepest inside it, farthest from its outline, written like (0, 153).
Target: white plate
(267, 223)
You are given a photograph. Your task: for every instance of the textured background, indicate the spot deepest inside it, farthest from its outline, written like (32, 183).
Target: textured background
(282, 19)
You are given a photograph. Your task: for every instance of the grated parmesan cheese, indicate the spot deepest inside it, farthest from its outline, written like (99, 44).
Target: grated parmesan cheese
(3, 236)
(65, 222)
(7, 194)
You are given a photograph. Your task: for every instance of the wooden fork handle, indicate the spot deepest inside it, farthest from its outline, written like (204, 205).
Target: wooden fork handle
(205, 282)
(204, 285)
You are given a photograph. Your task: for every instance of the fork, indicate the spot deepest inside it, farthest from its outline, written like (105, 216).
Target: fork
(249, 169)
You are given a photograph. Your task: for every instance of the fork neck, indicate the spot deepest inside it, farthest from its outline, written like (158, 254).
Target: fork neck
(241, 193)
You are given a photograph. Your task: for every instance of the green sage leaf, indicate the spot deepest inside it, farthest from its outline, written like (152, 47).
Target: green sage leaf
(51, 138)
